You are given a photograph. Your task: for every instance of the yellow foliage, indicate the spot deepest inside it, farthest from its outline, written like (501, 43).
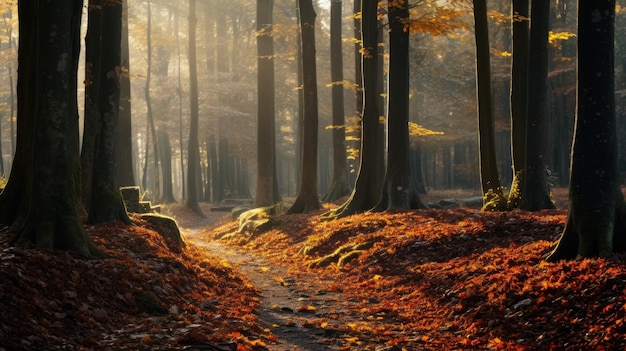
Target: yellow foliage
(555, 37)
(417, 130)
(502, 54)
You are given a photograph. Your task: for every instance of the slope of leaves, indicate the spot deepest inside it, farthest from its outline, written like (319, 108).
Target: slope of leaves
(141, 296)
(457, 279)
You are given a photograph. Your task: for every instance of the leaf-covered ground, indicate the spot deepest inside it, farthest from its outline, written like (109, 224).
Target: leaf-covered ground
(451, 279)
(144, 294)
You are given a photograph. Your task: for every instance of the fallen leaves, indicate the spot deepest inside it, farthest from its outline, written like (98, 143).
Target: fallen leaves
(140, 296)
(456, 279)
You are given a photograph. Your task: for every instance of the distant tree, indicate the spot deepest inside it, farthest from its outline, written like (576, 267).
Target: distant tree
(125, 168)
(493, 198)
(536, 191)
(193, 147)
(307, 199)
(339, 185)
(519, 97)
(399, 191)
(150, 127)
(106, 202)
(179, 92)
(596, 221)
(41, 201)
(165, 153)
(266, 188)
(367, 189)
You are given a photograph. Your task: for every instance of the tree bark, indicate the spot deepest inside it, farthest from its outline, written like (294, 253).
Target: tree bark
(536, 191)
(266, 138)
(49, 174)
(596, 221)
(93, 58)
(166, 166)
(150, 128)
(493, 199)
(399, 190)
(193, 148)
(339, 185)
(519, 98)
(368, 186)
(125, 167)
(307, 199)
(106, 202)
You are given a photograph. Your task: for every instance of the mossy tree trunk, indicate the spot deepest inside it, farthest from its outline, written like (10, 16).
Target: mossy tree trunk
(596, 221)
(493, 198)
(519, 97)
(50, 174)
(307, 199)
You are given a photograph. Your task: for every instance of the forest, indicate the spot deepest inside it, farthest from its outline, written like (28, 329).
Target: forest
(312, 175)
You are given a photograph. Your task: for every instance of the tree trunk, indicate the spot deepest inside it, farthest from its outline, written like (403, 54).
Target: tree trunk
(93, 58)
(307, 199)
(536, 191)
(106, 201)
(367, 190)
(519, 98)
(493, 199)
(193, 152)
(49, 175)
(266, 138)
(166, 166)
(151, 129)
(125, 169)
(339, 185)
(179, 92)
(398, 191)
(596, 220)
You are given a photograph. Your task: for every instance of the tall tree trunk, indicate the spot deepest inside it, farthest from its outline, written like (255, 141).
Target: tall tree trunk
(300, 119)
(596, 221)
(92, 95)
(266, 135)
(339, 185)
(179, 92)
(367, 190)
(49, 175)
(358, 78)
(398, 190)
(193, 152)
(493, 199)
(519, 98)
(106, 202)
(536, 191)
(125, 168)
(307, 199)
(151, 129)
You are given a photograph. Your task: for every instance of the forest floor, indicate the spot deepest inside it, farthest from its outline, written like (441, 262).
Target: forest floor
(436, 279)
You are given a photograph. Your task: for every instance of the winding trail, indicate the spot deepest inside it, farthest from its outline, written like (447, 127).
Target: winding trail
(292, 306)
(283, 297)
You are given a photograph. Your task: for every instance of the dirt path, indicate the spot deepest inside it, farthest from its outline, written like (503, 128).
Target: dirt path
(292, 306)
(289, 304)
